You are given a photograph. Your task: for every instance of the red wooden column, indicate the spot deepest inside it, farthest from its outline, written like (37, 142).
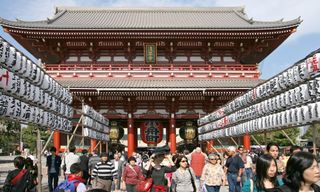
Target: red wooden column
(135, 139)
(56, 141)
(93, 144)
(131, 142)
(172, 131)
(246, 141)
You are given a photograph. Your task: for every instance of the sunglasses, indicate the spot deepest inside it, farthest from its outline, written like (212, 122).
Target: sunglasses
(213, 159)
(183, 161)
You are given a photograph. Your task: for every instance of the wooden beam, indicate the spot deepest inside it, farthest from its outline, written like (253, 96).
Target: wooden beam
(287, 136)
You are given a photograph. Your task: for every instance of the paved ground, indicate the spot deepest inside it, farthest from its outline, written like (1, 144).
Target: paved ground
(6, 164)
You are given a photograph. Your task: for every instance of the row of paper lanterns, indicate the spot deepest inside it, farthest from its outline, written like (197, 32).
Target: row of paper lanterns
(91, 123)
(95, 124)
(29, 94)
(21, 66)
(19, 87)
(292, 117)
(309, 91)
(16, 109)
(89, 111)
(299, 73)
(88, 132)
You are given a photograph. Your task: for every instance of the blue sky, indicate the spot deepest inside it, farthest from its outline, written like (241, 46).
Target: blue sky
(296, 47)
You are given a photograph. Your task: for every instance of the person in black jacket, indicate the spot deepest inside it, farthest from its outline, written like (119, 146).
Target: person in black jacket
(84, 160)
(18, 180)
(53, 164)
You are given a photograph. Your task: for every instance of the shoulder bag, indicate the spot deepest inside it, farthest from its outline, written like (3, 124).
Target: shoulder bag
(192, 182)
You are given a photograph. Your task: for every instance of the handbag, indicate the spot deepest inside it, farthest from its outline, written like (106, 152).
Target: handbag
(192, 182)
(144, 185)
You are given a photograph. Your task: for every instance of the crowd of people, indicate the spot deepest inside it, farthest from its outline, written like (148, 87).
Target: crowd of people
(241, 170)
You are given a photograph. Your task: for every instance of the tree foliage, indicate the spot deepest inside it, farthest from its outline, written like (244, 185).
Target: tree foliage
(277, 137)
(9, 135)
(29, 137)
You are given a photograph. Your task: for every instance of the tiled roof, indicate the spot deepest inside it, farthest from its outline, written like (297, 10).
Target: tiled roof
(158, 84)
(216, 18)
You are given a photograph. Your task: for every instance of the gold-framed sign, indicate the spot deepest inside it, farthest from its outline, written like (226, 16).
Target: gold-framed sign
(150, 53)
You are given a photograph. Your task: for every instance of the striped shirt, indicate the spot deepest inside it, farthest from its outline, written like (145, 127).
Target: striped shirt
(106, 169)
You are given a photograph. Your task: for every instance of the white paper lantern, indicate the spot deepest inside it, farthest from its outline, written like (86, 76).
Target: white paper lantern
(11, 107)
(23, 68)
(312, 111)
(4, 52)
(18, 64)
(10, 61)
(303, 71)
(25, 112)
(296, 75)
(4, 104)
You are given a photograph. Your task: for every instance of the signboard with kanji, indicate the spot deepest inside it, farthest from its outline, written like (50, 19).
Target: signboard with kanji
(150, 53)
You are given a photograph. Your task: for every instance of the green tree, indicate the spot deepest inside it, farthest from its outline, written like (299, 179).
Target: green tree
(277, 136)
(9, 135)
(29, 136)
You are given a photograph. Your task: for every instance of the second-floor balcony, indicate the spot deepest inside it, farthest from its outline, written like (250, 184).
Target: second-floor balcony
(154, 70)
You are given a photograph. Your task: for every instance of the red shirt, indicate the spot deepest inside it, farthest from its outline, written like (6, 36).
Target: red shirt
(132, 177)
(198, 161)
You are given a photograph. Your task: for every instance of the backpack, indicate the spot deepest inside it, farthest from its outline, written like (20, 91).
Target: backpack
(67, 186)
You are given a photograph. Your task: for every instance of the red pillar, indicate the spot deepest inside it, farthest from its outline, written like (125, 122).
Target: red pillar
(93, 144)
(135, 139)
(246, 141)
(56, 140)
(131, 142)
(172, 131)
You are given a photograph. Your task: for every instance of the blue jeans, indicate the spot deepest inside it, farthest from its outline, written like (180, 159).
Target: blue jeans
(197, 182)
(234, 185)
(212, 188)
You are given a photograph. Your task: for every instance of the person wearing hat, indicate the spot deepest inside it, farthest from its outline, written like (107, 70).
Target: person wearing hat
(132, 174)
(235, 168)
(103, 173)
(157, 171)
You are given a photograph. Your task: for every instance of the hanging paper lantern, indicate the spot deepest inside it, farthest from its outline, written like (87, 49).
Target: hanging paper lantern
(151, 132)
(116, 132)
(188, 133)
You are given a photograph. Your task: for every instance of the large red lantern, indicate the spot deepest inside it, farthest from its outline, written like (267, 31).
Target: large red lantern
(151, 132)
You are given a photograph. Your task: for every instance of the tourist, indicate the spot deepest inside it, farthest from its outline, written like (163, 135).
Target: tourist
(213, 176)
(183, 179)
(266, 178)
(84, 160)
(18, 180)
(118, 165)
(302, 173)
(234, 166)
(76, 175)
(295, 149)
(197, 162)
(53, 164)
(157, 171)
(103, 173)
(70, 159)
(247, 174)
(273, 150)
(132, 173)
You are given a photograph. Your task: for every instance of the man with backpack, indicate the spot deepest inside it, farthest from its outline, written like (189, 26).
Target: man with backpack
(18, 180)
(74, 182)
